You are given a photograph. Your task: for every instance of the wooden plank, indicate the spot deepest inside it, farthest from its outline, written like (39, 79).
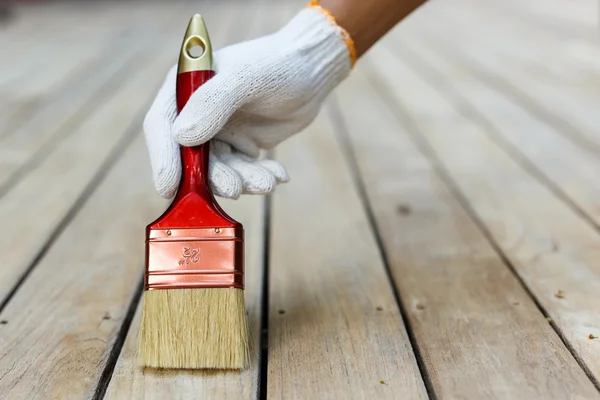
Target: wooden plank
(24, 40)
(60, 117)
(21, 20)
(63, 322)
(566, 63)
(335, 330)
(569, 107)
(29, 34)
(480, 334)
(546, 18)
(37, 136)
(568, 169)
(551, 248)
(87, 288)
(69, 63)
(42, 51)
(129, 381)
(36, 206)
(580, 17)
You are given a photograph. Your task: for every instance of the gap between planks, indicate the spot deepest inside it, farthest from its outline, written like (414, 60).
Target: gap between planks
(121, 144)
(578, 191)
(29, 145)
(335, 330)
(392, 98)
(488, 66)
(92, 147)
(477, 100)
(341, 131)
(446, 270)
(34, 89)
(574, 318)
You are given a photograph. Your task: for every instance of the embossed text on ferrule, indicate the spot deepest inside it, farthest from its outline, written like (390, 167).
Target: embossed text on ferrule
(190, 256)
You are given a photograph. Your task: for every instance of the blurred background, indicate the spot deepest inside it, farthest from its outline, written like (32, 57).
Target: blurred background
(48, 47)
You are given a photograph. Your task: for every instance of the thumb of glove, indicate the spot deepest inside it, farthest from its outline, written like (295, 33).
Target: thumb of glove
(209, 108)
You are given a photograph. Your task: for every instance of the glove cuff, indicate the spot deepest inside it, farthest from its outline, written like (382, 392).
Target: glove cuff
(316, 5)
(325, 57)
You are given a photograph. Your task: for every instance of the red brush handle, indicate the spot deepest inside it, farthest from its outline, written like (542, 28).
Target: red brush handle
(194, 205)
(194, 159)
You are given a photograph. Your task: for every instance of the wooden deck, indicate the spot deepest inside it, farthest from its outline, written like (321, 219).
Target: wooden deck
(439, 237)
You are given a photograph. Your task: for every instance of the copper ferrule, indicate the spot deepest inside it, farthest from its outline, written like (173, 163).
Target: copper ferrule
(195, 35)
(195, 258)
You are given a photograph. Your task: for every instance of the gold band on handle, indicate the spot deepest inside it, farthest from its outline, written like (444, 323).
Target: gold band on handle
(195, 35)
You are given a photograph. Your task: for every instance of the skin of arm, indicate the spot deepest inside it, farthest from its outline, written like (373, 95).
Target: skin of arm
(367, 21)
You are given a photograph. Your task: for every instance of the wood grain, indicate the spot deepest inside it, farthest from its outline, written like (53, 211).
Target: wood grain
(570, 170)
(43, 129)
(569, 65)
(549, 245)
(335, 330)
(63, 322)
(579, 18)
(25, 41)
(50, 66)
(480, 334)
(33, 209)
(559, 93)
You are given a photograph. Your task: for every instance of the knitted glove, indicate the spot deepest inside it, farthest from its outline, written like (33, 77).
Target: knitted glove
(264, 91)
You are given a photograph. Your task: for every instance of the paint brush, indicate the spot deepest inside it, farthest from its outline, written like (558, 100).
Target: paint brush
(194, 313)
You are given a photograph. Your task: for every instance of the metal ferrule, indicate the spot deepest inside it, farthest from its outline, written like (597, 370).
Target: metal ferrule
(195, 258)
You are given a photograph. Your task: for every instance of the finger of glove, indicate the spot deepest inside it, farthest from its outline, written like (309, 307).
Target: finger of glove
(210, 107)
(256, 179)
(162, 149)
(166, 164)
(225, 181)
(164, 105)
(249, 133)
(274, 167)
(240, 137)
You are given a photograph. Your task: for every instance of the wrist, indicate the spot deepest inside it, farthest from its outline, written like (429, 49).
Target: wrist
(368, 21)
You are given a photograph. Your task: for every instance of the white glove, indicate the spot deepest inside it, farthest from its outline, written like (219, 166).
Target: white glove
(264, 91)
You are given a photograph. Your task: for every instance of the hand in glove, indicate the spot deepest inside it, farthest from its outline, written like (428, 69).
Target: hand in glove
(264, 91)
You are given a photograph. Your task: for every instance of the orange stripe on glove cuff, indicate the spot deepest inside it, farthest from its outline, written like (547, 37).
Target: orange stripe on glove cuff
(345, 35)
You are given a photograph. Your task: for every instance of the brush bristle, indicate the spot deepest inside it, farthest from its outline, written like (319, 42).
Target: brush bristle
(194, 329)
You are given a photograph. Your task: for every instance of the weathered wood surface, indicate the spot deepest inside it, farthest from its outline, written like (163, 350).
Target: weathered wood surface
(458, 249)
(477, 327)
(439, 237)
(329, 292)
(38, 203)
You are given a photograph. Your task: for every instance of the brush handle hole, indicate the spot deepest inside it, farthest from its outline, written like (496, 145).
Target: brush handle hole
(195, 47)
